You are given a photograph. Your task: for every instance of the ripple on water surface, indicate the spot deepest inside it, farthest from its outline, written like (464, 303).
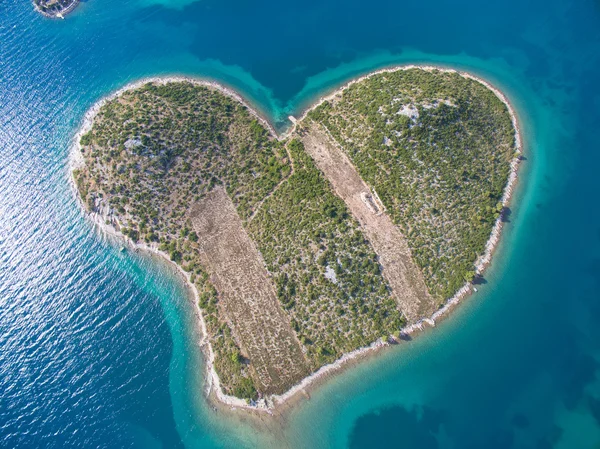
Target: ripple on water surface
(96, 346)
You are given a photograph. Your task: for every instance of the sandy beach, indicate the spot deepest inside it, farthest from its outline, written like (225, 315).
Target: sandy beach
(276, 404)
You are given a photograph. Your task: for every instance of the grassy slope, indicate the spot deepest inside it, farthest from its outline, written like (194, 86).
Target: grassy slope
(441, 174)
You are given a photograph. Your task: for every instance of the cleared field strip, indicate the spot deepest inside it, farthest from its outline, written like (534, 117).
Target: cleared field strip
(247, 296)
(398, 268)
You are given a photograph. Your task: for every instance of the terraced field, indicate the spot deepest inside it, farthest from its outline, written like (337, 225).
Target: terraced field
(398, 268)
(437, 148)
(247, 297)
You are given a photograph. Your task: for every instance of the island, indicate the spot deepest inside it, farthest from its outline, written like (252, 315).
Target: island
(55, 8)
(371, 216)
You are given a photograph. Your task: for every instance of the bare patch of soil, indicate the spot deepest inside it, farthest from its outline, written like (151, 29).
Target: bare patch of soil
(247, 296)
(398, 268)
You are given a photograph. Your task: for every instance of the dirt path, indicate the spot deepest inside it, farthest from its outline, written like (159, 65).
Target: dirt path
(247, 295)
(398, 268)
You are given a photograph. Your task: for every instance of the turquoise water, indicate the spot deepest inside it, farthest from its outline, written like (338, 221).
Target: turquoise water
(98, 348)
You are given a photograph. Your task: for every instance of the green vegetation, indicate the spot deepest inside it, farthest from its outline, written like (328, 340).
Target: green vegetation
(154, 151)
(437, 149)
(330, 317)
(157, 149)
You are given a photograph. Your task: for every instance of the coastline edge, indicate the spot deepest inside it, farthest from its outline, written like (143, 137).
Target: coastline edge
(268, 405)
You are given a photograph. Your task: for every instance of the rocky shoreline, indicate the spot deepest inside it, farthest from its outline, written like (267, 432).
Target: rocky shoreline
(64, 8)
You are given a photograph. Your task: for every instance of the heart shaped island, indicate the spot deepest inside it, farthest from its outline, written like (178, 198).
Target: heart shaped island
(371, 216)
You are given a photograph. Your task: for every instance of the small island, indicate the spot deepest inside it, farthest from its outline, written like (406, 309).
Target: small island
(370, 217)
(55, 8)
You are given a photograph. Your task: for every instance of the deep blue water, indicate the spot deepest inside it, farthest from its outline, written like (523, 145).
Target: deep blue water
(98, 348)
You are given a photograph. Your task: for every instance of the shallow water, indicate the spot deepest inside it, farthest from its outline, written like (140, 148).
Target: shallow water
(98, 348)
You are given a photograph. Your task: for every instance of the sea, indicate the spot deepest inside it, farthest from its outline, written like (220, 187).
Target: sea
(99, 348)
